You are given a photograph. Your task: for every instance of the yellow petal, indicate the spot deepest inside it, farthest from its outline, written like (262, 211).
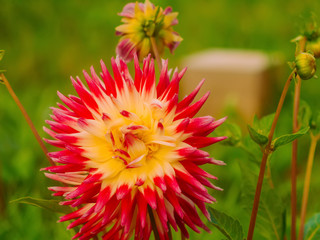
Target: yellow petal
(144, 47)
(148, 9)
(169, 18)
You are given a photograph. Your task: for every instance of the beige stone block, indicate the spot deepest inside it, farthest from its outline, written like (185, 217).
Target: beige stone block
(239, 78)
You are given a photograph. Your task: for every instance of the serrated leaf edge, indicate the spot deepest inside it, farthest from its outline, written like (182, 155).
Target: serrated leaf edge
(222, 230)
(298, 134)
(251, 129)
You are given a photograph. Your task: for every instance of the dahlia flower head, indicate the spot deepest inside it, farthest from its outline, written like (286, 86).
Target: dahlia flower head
(141, 22)
(130, 154)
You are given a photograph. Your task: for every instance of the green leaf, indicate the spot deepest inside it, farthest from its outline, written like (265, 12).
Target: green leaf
(270, 219)
(257, 137)
(252, 149)
(315, 123)
(232, 131)
(52, 205)
(312, 228)
(287, 138)
(266, 122)
(228, 226)
(263, 125)
(305, 114)
(260, 129)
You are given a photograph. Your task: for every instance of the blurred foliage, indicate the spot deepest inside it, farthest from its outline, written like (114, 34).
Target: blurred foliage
(46, 41)
(312, 230)
(229, 227)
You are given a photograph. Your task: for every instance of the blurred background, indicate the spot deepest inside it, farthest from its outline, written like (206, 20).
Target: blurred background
(47, 41)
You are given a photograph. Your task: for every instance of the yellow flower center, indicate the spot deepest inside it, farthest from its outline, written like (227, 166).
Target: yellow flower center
(134, 146)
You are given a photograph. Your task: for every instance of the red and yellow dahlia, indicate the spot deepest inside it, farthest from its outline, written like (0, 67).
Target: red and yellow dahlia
(141, 24)
(130, 153)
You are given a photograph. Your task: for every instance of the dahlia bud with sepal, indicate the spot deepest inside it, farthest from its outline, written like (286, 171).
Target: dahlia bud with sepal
(314, 47)
(305, 65)
(312, 35)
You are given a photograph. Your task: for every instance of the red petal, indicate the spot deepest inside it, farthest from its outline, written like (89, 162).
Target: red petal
(150, 78)
(117, 76)
(142, 209)
(183, 125)
(108, 80)
(93, 84)
(103, 198)
(79, 109)
(172, 183)
(84, 94)
(72, 215)
(150, 196)
(60, 128)
(138, 73)
(172, 198)
(200, 142)
(188, 178)
(65, 168)
(188, 99)
(159, 182)
(122, 191)
(192, 110)
(164, 80)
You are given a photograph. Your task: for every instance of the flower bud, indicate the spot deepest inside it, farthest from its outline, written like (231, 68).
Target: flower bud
(314, 46)
(306, 65)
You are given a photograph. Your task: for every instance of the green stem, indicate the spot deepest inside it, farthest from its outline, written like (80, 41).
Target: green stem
(306, 188)
(266, 153)
(294, 158)
(27, 118)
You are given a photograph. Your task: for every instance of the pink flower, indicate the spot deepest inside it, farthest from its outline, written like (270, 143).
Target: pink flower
(143, 22)
(130, 152)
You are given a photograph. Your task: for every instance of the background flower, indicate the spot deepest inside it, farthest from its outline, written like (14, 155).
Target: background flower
(144, 23)
(131, 149)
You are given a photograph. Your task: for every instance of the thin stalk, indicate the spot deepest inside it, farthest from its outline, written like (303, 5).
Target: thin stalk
(269, 175)
(153, 224)
(182, 236)
(169, 232)
(156, 52)
(305, 196)
(265, 156)
(294, 158)
(26, 116)
(295, 127)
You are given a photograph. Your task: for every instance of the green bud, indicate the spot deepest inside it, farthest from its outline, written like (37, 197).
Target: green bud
(306, 65)
(314, 46)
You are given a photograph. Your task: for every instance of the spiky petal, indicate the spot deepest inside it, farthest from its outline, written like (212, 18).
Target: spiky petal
(129, 145)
